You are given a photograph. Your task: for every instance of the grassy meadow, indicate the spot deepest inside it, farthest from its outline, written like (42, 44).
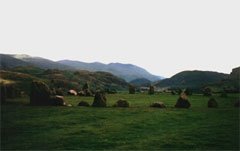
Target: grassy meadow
(138, 127)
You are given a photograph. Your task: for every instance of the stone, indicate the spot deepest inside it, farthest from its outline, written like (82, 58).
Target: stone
(99, 100)
(158, 105)
(59, 91)
(131, 89)
(69, 105)
(83, 103)
(151, 90)
(72, 92)
(237, 104)
(40, 93)
(212, 103)
(87, 92)
(81, 93)
(112, 91)
(57, 101)
(182, 102)
(3, 93)
(121, 103)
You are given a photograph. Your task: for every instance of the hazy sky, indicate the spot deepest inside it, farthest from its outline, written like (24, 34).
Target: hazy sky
(164, 37)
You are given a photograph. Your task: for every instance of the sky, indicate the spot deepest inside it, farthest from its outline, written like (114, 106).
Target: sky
(164, 37)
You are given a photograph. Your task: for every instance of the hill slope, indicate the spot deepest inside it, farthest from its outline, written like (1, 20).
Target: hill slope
(191, 79)
(229, 84)
(62, 78)
(126, 71)
(140, 82)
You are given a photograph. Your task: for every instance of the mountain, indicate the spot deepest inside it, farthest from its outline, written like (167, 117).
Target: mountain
(7, 62)
(42, 62)
(126, 71)
(10, 61)
(140, 82)
(191, 79)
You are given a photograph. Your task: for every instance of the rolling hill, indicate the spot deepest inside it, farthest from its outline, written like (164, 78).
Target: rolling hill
(191, 79)
(229, 84)
(65, 79)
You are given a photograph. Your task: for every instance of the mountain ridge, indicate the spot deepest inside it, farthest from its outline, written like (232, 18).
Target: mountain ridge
(126, 71)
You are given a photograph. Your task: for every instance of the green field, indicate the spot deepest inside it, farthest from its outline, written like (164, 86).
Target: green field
(138, 127)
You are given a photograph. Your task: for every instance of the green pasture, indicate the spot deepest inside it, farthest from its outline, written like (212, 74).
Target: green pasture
(139, 127)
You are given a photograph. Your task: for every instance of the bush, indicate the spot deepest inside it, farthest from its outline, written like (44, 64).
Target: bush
(188, 91)
(173, 92)
(224, 94)
(207, 91)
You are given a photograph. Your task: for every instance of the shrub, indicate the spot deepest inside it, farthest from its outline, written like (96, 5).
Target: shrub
(179, 91)
(207, 91)
(224, 94)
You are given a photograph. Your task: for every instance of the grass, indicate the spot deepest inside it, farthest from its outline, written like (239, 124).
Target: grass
(139, 127)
